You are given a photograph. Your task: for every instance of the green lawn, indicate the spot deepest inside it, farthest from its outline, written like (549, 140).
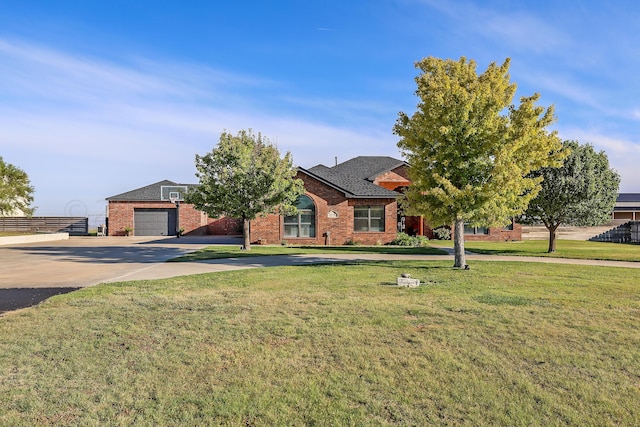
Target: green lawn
(565, 249)
(500, 344)
(220, 251)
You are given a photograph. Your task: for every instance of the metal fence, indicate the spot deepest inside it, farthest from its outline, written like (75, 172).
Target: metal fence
(75, 226)
(628, 232)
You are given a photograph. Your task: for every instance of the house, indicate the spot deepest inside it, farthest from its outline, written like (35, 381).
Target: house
(159, 210)
(627, 207)
(356, 201)
(352, 202)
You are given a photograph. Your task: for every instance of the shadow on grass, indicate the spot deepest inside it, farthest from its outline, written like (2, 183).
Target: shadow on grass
(506, 252)
(393, 250)
(213, 253)
(395, 265)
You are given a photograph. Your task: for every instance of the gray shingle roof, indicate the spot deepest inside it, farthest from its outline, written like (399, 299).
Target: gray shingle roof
(628, 197)
(368, 167)
(355, 177)
(148, 193)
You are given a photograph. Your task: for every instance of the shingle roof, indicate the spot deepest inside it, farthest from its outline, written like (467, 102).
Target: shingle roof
(628, 197)
(148, 193)
(368, 167)
(355, 177)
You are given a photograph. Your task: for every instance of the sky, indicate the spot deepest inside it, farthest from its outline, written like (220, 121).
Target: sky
(101, 97)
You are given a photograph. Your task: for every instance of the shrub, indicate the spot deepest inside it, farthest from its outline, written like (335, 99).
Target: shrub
(442, 233)
(403, 239)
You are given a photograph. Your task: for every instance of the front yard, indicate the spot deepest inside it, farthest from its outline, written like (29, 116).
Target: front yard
(501, 344)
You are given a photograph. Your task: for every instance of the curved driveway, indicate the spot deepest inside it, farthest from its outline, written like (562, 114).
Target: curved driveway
(30, 273)
(33, 272)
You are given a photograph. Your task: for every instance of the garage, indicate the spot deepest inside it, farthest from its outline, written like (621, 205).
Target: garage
(154, 222)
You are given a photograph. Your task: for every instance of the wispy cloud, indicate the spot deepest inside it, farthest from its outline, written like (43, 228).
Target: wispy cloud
(622, 152)
(146, 120)
(519, 29)
(556, 85)
(63, 76)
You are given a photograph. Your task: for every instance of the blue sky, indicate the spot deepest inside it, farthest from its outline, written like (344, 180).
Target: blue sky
(101, 97)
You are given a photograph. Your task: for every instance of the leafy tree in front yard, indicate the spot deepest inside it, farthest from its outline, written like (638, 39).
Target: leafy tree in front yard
(16, 192)
(582, 192)
(470, 150)
(243, 177)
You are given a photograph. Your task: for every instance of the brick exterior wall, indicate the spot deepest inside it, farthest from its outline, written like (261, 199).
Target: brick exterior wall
(496, 234)
(333, 219)
(194, 222)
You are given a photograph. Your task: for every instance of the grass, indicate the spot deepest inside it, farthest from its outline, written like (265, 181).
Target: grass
(577, 249)
(220, 251)
(500, 344)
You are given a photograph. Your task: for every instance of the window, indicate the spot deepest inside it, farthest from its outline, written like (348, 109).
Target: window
(368, 218)
(475, 230)
(304, 223)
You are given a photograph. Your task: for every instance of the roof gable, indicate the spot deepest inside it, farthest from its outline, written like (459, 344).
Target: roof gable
(150, 192)
(368, 167)
(355, 177)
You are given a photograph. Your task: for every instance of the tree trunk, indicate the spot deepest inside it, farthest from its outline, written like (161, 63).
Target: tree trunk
(458, 244)
(246, 234)
(552, 238)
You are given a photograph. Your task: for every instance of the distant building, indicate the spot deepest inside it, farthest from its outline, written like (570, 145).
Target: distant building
(627, 207)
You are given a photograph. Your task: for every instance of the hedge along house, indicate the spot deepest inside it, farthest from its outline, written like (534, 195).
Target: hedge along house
(159, 210)
(353, 201)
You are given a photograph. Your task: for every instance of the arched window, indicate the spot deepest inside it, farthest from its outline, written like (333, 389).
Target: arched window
(304, 223)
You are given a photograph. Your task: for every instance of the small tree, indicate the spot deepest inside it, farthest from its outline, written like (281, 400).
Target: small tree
(243, 177)
(16, 192)
(469, 160)
(582, 192)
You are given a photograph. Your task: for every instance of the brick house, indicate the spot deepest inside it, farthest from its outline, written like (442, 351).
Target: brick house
(354, 201)
(150, 211)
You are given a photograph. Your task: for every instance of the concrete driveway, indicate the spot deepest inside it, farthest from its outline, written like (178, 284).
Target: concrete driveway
(30, 273)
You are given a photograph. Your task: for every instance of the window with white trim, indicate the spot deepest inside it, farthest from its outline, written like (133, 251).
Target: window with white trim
(368, 218)
(304, 223)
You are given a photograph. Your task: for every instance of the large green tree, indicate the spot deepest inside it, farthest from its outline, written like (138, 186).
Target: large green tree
(16, 192)
(582, 192)
(470, 150)
(243, 177)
